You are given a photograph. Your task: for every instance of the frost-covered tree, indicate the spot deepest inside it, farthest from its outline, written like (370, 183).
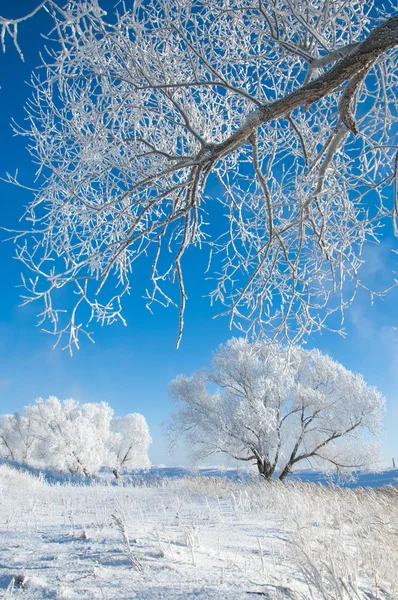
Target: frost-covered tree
(73, 437)
(17, 438)
(262, 131)
(130, 443)
(278, 407)
(7, 447)
(70, 436)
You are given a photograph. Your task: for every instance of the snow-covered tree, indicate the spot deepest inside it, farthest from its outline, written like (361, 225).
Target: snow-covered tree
(130, 443)
(71, 436)
(262, 131)
(278, 407)
(7, 446)
(17, 438)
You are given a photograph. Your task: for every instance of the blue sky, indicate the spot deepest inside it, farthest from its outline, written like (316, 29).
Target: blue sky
(130, 368)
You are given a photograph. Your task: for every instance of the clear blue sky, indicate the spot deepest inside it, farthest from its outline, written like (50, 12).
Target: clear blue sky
(130, 368)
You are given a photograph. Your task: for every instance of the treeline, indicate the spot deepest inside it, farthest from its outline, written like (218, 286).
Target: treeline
(75, 438)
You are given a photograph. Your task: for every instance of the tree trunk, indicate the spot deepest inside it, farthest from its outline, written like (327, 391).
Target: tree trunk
(265, 468)
(287, 469)
(79, 462)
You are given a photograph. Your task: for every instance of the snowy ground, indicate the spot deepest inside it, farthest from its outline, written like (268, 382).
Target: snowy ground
(195, 538)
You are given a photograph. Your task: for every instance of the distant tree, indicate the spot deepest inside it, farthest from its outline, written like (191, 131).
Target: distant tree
(17, 438)
(71, 436)
(260, 130)
(278, 407)
(130, 443)
(7, 446)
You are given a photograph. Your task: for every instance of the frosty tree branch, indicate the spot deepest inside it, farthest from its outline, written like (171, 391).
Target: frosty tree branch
(10, 27)
(353, 68)
(134, 122)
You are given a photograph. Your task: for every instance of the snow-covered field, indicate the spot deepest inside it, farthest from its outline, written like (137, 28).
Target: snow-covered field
(202, 538)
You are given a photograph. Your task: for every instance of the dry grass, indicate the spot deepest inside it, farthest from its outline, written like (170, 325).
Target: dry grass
(343, 542)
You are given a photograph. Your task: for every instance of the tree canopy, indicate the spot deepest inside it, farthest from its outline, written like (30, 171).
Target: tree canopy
(278, 408)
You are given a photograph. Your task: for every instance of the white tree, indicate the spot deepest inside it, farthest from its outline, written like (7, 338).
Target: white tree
(7, 449)
(278, 407)
(79, 438)
(131, 442)
(17, 438)
(281, 111)
(71, 437)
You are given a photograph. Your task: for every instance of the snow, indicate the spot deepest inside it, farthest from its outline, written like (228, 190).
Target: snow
(191, 537)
